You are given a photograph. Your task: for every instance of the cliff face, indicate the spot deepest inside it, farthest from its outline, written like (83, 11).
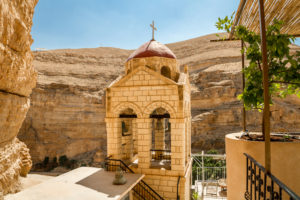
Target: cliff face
(67, 111)
(67, 115)
(217, 111)
(17, 78)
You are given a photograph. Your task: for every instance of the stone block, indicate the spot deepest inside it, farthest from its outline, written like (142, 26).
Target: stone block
(170, 195)
(166, 188)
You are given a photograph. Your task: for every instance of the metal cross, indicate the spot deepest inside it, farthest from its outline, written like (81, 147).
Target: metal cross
(153, 29)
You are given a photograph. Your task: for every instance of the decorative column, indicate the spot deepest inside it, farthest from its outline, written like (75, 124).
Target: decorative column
(144, 141)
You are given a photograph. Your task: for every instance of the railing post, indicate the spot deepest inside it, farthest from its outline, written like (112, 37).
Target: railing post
(255, 184)
(251, 175)
(178, 181)
(202, 160)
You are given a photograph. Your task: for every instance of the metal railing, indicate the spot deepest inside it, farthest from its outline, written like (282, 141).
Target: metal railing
(205, 173)
(210, 173)
(262, 185)
(114, 164)
(145, 192)
(158, 155)
(178, 181)
(142, 190)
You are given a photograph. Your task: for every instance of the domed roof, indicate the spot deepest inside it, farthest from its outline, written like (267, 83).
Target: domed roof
(151, 49)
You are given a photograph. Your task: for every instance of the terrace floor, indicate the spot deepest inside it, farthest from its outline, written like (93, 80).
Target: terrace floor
(86, 183)
(211, 190)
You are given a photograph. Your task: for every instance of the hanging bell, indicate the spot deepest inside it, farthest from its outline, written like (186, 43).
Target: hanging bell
(124, 129)
(159, 124)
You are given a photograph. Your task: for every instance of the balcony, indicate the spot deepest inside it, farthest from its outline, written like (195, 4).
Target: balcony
(160, 159)
(246, 177)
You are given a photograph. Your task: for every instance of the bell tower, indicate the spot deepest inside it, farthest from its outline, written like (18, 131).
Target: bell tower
(148, 120)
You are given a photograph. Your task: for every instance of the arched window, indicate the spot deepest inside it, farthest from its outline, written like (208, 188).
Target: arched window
(128, 131)
(165, 71)
(161, 139)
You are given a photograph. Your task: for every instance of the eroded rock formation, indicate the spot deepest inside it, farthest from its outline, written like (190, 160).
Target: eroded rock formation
(67, 112)
(17, 78)
(67, 115)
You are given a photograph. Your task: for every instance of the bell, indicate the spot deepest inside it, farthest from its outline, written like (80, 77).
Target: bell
(159, 125)
(119, 177)
(124, 128)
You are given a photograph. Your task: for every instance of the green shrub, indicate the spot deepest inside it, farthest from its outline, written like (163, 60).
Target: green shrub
(46, 161)
(72, 164)
(63, 160)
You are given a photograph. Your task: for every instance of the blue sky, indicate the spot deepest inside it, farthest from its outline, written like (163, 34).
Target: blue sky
(124, 24)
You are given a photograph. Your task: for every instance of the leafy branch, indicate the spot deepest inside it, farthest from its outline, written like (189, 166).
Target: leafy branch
(284, 68)
(224, 24)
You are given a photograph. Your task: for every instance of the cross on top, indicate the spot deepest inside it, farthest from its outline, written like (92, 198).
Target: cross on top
(153, 29)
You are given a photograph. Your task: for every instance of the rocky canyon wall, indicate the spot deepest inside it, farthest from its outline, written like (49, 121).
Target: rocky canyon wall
(67, 109)
(67, 112)
(17, 78)
(217, 111)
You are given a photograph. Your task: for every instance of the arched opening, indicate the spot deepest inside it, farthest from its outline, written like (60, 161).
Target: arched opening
(165, 71)
(129, 135)
(161, 139)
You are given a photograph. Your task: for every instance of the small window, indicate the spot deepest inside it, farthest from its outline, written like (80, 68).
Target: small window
(165, 71)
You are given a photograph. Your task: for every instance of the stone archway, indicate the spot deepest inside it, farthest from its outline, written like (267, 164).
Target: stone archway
(154, 105)
(160, 133)
(127, 119)
(123, 106)
(124, 118)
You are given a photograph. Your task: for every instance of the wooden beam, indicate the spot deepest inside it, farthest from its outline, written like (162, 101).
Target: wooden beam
(223, 40)
(237, 17)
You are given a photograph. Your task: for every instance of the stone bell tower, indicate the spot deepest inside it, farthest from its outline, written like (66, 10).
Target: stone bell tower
(148, 119)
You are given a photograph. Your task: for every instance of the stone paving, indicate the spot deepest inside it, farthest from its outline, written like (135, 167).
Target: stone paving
(86, 183)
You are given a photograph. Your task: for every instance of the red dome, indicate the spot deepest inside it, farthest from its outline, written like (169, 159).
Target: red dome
(151, 49)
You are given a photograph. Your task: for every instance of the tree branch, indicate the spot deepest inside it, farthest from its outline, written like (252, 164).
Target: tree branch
(259, 66)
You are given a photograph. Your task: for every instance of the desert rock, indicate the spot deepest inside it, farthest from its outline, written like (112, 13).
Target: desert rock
(17, 78)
